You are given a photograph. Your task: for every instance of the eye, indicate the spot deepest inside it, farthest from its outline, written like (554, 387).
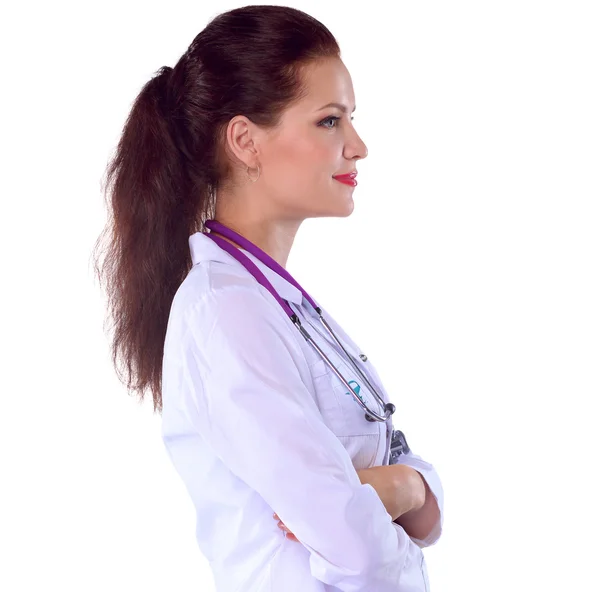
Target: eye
(332, 118)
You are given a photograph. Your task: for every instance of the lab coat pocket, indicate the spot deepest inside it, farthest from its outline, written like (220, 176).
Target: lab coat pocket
(328, 404)
(340, 410)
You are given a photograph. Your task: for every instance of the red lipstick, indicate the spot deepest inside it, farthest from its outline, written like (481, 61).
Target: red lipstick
(348, 179)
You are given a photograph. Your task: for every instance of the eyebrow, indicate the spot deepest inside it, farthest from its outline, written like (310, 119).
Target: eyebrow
(341, 107)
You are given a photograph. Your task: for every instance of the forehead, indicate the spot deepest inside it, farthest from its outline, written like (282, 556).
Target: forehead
(326, 81)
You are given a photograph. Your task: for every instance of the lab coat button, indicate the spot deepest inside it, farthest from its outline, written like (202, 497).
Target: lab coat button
(363, 357)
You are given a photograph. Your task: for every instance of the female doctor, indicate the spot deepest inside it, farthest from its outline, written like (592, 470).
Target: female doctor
(274, 419)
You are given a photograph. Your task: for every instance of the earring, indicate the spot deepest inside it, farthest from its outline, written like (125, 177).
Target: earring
(253, 180)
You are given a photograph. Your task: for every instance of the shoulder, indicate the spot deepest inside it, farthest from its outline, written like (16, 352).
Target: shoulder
(220, 297)
(206, 280)
(223, 321)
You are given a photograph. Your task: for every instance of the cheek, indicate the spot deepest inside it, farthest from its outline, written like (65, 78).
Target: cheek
(301, 168)
(302, 161)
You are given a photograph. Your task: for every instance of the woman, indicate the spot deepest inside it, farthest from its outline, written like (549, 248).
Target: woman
(220, 161)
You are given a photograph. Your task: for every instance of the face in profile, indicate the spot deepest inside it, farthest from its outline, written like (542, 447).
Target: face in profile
(314, 142)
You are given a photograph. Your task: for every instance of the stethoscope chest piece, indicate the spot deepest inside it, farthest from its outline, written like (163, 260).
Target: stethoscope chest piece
(398, 446)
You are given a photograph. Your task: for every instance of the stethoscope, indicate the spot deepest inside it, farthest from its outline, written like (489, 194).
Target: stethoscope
(213, 225)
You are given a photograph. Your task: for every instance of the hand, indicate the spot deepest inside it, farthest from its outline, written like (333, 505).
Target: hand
(288, 533)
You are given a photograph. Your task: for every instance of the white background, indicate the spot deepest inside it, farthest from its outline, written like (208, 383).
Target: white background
(472, 258)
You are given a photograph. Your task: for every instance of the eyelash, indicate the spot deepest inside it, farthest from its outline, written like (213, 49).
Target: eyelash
(335, 118)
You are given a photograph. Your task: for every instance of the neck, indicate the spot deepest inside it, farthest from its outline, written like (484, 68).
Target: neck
(273, 237)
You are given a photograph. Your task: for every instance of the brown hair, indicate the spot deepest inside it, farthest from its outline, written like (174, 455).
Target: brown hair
(170, 160)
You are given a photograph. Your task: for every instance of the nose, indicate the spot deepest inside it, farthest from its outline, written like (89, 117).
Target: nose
(355, 148)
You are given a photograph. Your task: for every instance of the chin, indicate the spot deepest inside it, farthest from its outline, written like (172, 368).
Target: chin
(334, 208)
(334, 213)
(348, 208)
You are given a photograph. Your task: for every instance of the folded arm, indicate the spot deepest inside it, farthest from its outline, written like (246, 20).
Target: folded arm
(245, 396)
(423, 524)
(408, 499)
(401, 489)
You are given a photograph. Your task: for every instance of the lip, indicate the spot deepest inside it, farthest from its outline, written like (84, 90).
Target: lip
(347, 176)
(348, 179)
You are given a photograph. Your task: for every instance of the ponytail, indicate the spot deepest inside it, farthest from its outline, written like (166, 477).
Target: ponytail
(155, 205)
(171, 160)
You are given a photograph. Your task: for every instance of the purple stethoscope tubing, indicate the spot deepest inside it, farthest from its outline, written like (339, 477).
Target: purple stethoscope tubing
(243, 242)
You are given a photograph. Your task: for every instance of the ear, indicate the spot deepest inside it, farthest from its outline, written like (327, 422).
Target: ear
(241, 140)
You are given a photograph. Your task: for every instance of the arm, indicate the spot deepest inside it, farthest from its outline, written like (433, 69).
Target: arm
(400, 488)
(420, 520)
(243, 393)
(423, 525)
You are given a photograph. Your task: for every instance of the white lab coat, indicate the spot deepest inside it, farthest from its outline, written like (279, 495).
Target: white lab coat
(256, 423)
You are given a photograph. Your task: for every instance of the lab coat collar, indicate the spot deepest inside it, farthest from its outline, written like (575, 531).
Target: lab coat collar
(203, 248)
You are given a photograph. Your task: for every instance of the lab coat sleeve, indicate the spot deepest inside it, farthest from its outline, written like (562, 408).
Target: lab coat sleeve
(245, 396)
(432, 478)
